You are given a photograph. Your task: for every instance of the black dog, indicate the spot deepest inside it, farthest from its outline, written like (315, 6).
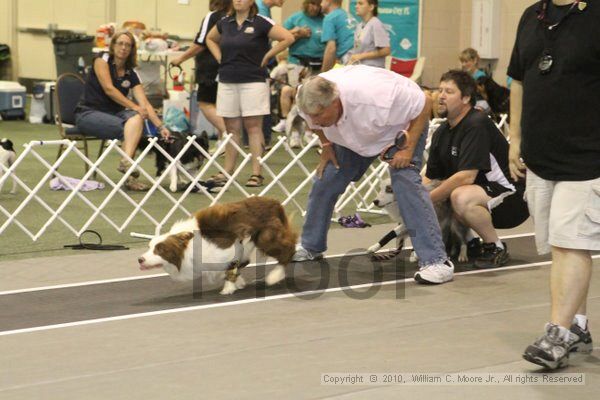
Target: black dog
(7, 158)
(497, 96)
(191, 160)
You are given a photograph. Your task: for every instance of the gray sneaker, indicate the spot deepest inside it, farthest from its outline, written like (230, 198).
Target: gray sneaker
(581, 340)
(551, 350)
(303, 254)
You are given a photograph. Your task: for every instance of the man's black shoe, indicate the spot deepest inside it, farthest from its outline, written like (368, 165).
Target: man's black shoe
(492, 256)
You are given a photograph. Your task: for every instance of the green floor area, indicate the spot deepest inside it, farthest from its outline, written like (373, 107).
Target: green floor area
(15, 244)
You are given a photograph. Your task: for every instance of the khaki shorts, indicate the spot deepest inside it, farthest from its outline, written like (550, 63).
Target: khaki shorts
(566, 214)
(243, 99)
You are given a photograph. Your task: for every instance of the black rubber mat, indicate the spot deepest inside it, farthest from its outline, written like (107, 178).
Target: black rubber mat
(49, 307)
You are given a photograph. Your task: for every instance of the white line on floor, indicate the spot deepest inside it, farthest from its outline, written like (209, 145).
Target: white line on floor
(133, 278)
(255, 300)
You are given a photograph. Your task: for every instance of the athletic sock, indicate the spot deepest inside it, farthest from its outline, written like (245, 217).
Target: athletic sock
(581, 321)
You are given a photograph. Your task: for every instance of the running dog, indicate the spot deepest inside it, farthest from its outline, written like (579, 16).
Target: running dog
(454, 233)
(217, 241)
(7, 158)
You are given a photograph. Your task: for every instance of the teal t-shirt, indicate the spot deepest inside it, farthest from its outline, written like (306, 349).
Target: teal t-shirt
(339, 26)
(310, 46)
(478, 74)
(262, 9)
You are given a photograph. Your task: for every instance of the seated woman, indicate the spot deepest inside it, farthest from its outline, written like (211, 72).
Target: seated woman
(104, 111)
(371, 39)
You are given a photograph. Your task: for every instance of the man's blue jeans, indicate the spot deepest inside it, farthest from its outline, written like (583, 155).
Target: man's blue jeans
(413, 200)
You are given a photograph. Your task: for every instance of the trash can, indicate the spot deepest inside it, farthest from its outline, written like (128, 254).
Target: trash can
(5, 70)
(69, 50)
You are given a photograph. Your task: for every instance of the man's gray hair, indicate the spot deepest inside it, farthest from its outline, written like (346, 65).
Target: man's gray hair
(315, 94)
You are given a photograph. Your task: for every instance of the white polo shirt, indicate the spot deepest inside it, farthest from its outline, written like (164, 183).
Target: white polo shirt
(377, 105)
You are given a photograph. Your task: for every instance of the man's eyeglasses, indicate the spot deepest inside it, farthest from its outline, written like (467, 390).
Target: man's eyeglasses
(127, 45)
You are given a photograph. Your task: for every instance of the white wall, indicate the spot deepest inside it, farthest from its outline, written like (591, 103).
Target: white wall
(446, 27)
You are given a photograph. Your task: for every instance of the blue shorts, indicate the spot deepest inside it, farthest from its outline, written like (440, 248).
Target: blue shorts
(101, 124)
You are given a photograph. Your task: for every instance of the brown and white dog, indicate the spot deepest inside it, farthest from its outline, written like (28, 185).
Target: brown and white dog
(218, 241)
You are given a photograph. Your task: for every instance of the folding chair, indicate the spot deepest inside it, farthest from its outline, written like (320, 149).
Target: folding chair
(412, 69)
(69, 88)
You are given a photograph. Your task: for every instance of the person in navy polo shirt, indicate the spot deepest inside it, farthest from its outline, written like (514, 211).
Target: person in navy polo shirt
(240, 42)
(105, 111)
(206, 65)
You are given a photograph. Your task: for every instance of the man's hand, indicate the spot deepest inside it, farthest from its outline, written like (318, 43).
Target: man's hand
(327, 156)
(402, 158)
(515, 164)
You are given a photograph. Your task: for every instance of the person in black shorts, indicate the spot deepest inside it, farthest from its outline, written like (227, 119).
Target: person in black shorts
(207, 66)
(470, 156)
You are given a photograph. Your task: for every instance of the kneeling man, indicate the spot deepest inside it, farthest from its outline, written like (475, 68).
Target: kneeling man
(470, 155)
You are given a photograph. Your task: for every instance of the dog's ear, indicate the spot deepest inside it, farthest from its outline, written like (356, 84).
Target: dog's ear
(184, 237)
(172, 248)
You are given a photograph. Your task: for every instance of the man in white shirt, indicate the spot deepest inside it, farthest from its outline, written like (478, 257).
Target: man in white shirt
(358, 111)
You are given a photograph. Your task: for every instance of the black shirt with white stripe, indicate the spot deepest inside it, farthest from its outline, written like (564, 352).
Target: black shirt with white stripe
(243, 48)
(473, 144)
(207, 66)
(96, 98)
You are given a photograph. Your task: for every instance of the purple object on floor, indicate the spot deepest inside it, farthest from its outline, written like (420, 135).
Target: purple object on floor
(354, 221)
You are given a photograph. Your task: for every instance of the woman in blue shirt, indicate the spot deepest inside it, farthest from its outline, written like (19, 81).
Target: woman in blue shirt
(469, 61)
(240, 42)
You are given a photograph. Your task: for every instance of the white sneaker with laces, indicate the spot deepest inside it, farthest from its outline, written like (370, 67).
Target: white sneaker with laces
(303, 254)
(435, 273)
(280, 127)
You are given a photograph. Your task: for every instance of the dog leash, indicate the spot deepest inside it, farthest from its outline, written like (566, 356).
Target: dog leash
(94, 246)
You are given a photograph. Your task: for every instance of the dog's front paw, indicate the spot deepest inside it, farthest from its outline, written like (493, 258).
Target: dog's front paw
(276, 275)
(240, 283)
(462, 256)
(413, 257)
(228, 288)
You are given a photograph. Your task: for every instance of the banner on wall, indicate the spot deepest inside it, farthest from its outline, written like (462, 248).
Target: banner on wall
(401, 19)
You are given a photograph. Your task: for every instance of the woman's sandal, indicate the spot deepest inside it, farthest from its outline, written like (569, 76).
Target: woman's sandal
(255, 181)
(136, 186)
(124, 165)
(218, 180)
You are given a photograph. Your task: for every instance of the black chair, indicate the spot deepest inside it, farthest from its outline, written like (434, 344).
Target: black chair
(69, 88)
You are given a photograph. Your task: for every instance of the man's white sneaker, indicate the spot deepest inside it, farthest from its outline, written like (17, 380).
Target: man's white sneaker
(280, 127)
(303, 254)
(435, 273)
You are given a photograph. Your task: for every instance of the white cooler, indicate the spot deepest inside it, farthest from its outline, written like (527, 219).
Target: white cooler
(12, 100)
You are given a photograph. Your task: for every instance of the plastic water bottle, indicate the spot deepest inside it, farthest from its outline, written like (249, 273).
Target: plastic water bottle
(81, 66)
